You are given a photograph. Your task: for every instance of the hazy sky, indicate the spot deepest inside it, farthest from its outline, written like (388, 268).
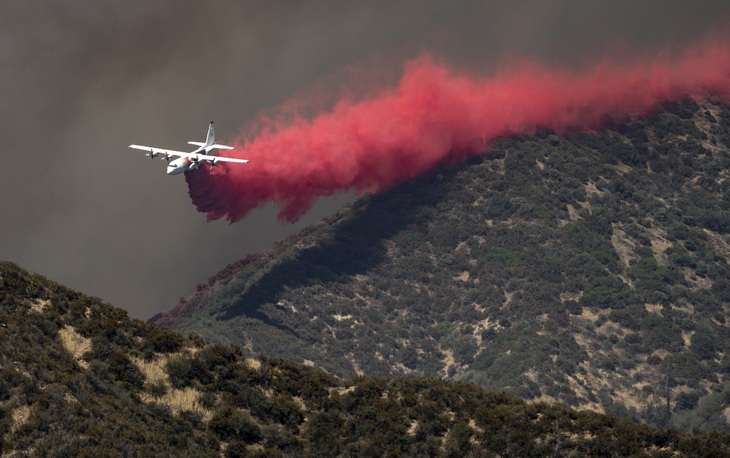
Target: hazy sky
(81, 80)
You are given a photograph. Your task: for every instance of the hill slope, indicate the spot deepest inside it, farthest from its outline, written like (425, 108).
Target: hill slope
(79, 378)
(590, 270)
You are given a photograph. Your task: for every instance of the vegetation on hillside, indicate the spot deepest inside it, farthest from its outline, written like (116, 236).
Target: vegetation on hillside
(586, 269)
(79, 378)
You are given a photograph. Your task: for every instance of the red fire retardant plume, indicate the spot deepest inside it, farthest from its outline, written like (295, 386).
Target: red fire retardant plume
(435, 114)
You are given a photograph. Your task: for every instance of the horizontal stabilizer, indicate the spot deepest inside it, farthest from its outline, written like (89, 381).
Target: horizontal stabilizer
(197, 143)
(221, 146)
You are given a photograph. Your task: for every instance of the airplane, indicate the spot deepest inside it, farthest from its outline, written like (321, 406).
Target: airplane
(191, 161)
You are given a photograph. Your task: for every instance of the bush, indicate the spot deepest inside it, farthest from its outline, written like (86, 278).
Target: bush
(178, 368)
(165, 341)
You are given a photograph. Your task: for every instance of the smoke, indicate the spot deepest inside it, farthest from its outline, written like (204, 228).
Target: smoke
(437, 114)
(82, 80)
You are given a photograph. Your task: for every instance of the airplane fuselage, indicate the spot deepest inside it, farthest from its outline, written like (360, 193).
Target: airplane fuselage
(178, 166)
(183, 164)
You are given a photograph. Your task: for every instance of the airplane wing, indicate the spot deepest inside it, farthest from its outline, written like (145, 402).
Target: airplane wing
(152, 152)
(214, 159)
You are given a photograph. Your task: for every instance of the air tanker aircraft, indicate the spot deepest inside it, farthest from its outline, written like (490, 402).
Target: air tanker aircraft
(191, 161)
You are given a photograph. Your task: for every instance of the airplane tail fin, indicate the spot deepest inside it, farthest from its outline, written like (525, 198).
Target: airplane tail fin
(210, 139)
(210, 145)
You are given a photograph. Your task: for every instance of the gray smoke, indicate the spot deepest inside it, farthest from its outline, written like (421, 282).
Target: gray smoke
(82, 80)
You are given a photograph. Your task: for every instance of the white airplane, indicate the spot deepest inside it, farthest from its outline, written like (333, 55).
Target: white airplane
(191, 161)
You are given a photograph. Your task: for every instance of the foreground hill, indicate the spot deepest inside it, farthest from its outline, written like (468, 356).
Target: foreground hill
(79, 378)
(590, 270)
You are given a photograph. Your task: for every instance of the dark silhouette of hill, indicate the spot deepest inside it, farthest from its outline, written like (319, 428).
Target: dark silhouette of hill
(79, 378)
(587, 269)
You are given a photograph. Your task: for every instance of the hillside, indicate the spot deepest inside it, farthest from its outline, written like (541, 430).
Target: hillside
(79, 378)
(586, 269)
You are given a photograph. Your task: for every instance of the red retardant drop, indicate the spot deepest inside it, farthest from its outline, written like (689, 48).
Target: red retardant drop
(435, 114)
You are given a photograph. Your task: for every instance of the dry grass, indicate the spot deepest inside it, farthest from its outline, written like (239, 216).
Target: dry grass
(687, 338)
(448, 361)
(660, 353)
(565, 297)
(685, 308)
(659, 245)
(69, 398)
(589, 315)
(507, 299)
(573, 213)
(480, 326)
(178, 400)
(629, 397)
(581, 392)
(76, 344)
(355, 365)
(623, 168)
(153, 371)
(412, 428)
(341, 390)
(20, 416)
(624, 246)
(39, 305)
(694, 281)
(592, 190)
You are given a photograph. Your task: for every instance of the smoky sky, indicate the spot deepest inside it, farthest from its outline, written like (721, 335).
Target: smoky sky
(82, 80)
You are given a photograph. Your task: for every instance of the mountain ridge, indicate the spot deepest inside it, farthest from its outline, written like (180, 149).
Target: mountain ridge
(78, 377)
(589, 269)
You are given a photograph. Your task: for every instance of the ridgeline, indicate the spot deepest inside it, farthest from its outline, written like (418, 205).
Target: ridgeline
(79, 378)
(588, 269)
